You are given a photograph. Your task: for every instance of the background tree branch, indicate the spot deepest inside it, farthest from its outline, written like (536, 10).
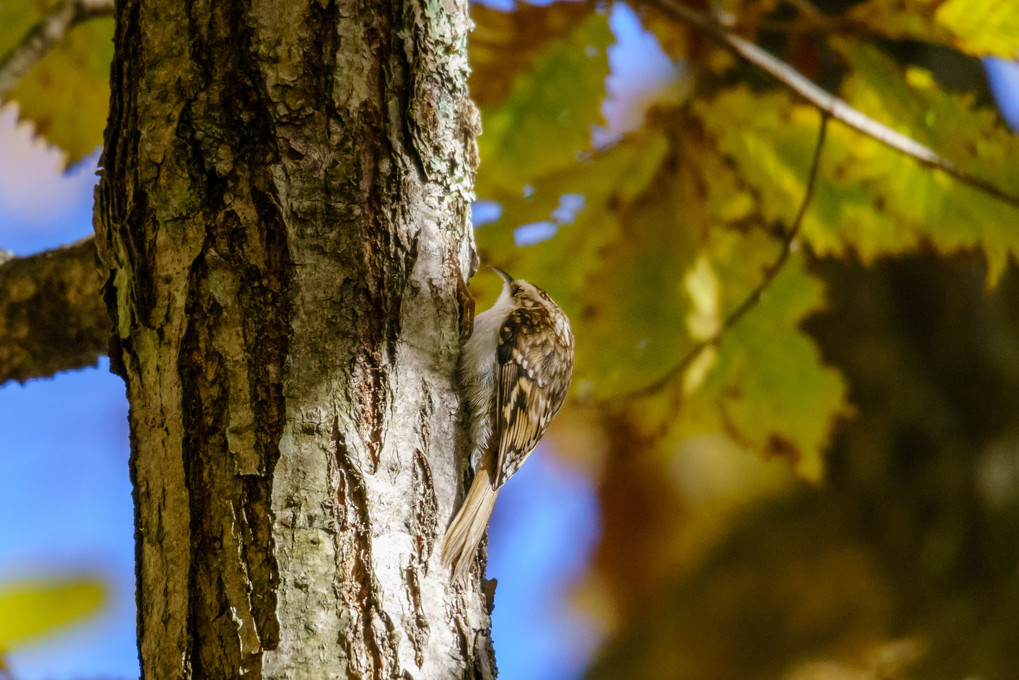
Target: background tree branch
(52, 317)
(37, 42)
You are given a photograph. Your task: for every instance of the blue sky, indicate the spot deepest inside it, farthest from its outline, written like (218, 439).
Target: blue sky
(1003, 77)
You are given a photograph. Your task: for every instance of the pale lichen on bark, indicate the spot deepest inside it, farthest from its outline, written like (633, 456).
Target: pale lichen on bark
(284, 229)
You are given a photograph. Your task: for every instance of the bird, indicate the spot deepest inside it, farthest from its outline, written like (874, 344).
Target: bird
(515, 371)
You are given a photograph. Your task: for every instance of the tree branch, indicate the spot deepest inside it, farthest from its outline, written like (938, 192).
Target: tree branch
(828, 103)
(52, 316)
(44, 35)
(754, 296)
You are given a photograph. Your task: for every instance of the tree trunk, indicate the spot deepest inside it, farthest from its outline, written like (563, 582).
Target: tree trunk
(283, 219)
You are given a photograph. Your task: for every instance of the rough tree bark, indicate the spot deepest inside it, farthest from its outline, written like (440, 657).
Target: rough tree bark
(52, 317)
(283, 226)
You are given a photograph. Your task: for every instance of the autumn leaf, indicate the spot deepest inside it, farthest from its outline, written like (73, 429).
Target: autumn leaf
(976, 27)
(767, 386)
(869, 199)
(32, 609)
(545, 121)
(505, 45)
(652, 265)
(66, 95)
(612, 258)
(17, 18)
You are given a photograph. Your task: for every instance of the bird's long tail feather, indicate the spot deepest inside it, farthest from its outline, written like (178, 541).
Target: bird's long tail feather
(468, 527)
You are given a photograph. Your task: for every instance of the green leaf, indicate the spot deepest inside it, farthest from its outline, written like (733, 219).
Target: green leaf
(17, 17)
(34, 608)
(767, 386)
(66, 96)
(870, 199)
(649, 267)
(545, 121)
(976, 27)
(601, 265)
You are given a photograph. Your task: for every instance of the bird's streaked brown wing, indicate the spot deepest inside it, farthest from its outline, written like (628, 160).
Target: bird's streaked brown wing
(534, 375)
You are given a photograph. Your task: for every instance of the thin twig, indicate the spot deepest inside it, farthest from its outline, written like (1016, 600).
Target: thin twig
(44, 35)
(828, 103)
(787, 242)
(754, 296)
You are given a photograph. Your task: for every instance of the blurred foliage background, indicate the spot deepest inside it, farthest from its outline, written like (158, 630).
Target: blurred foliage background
(802, 431)
(827, 488)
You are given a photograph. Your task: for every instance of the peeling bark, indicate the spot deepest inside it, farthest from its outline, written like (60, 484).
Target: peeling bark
(52, 317)
(283, 228)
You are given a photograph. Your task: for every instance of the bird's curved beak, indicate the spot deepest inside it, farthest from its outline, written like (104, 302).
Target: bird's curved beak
(505, 277)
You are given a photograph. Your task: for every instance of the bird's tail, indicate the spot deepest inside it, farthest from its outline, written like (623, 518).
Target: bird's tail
(468, 527)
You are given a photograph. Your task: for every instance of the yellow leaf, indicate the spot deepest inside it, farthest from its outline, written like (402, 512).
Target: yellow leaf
(768, 388)
(977, 27)
(35, 608)
(702, 286)
(17, 17)
(870, 199)
(545, 121)
(697, 372)
(67, 95)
